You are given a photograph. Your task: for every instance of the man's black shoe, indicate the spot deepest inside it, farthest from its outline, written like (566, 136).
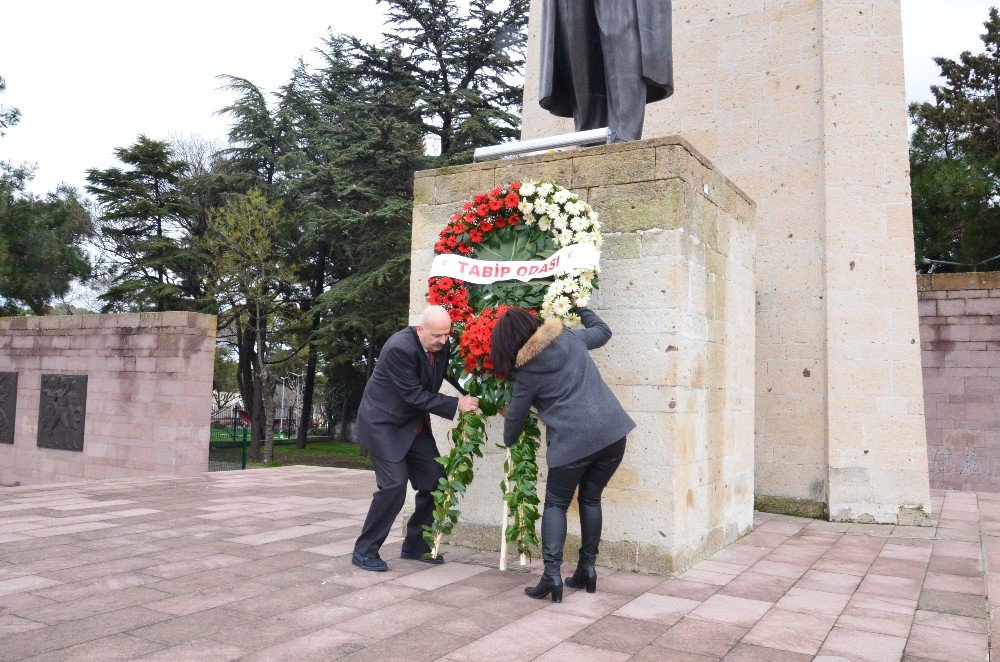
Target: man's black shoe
(419, 556)
(373, 563)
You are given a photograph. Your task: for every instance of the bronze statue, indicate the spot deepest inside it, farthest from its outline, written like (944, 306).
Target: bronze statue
(602, 61)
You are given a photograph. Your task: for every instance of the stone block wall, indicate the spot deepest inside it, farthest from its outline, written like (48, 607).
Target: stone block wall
(677, 291)
(149, 393)
(802, 104)
(960, 339)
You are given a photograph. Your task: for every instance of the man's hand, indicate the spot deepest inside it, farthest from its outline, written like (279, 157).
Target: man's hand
(468, 403)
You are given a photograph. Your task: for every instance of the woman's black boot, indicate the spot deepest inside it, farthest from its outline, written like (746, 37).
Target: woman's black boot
(549, 584)
(585, 575)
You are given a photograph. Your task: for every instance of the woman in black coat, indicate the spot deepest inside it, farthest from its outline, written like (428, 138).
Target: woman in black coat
(585, 428)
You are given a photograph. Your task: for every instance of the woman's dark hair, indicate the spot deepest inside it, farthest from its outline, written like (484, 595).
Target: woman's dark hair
(510, 333)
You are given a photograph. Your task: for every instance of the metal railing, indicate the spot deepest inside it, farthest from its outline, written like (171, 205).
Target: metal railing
(227, 445)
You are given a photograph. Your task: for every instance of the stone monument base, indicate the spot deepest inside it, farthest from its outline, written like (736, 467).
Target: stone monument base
(677, 289)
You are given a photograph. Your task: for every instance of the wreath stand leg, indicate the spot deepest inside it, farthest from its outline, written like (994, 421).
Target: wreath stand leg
(504, 520)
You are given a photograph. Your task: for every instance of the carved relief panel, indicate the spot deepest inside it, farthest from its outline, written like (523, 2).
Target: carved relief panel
(8, 406)
(61, 412)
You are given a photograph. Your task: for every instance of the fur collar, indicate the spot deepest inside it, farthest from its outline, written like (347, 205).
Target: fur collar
(538, 341)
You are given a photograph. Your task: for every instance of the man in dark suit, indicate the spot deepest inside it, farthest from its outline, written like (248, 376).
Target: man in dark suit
(394, 425)
(602, 61)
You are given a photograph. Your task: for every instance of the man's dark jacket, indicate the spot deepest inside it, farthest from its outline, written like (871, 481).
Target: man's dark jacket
(402, 392)
(655, 36)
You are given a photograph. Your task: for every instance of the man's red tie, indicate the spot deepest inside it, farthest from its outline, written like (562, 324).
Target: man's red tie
(430, 357)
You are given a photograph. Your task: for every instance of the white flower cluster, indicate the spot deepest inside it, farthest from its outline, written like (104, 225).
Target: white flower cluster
(568, 220)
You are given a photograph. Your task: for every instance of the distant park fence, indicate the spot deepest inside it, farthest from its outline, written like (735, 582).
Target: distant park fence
(229, 436)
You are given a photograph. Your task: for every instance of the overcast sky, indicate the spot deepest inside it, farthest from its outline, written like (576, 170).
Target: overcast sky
(91, 75)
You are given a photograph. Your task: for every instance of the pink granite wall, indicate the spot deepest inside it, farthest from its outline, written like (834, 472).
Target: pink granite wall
(149, 393)
(960, 336)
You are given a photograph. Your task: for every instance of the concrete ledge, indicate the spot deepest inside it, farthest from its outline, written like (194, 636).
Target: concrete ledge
(789, 506)
(983, 280)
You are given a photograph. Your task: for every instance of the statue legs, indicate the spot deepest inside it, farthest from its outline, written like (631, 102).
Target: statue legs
(599, 50)
(583, 64)
(622, 68)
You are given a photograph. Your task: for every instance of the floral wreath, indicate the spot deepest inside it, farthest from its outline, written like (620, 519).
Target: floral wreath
(519, 221)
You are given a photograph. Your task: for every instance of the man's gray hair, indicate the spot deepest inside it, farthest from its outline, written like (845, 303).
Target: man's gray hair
(422, 317)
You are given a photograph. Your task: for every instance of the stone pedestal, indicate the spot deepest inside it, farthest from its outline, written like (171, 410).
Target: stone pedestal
(677, 290)
(146, 409)
(802, 104)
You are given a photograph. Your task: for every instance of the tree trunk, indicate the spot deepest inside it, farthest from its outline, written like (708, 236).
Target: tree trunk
(257, 413)
(245, 362)
(318, 284)
(345, 408)
(259, 423)
(305, 421)
(268, 382)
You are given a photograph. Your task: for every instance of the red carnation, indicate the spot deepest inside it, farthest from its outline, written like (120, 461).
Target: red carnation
(515, 186)
(476, 236)
(467, 206)
(512, 200)
(496, 192)
(452, 242)
(480, 199)
(470, 217)
(501, 223)
(445, 283)
(496, 204)
(463, 249)
(486, 226)
(482, 210)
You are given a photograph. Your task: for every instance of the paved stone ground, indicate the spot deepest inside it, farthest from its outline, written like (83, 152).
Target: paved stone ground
(255, 565)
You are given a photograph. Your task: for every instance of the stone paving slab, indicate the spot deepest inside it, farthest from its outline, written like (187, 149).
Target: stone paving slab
(255, 565)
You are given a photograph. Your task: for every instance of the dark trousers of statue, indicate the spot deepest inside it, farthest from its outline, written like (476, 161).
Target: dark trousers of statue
(598, 42)
(591, 476)
(421, 469)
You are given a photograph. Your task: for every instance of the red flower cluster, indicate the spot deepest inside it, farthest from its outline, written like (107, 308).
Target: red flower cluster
(475, 344)
(480, 216)
(483, 214)
(453, 295)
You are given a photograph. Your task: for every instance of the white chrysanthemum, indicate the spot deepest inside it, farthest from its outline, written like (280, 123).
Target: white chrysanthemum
(559, 223)
(561, 306)
(583, 299)
(562, 195)
(565, 237)
(527, 189)
(543, 223)
(545, 189)
(578, 224)
(526, 207)
(553, 210)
